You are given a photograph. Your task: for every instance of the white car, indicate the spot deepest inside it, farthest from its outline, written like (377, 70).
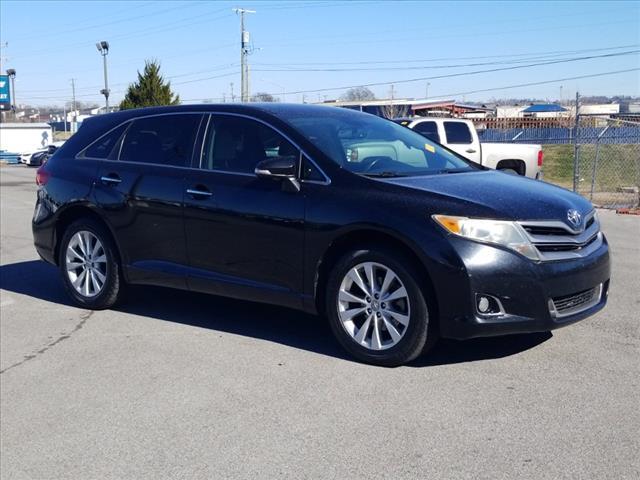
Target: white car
(34, 159)
(460, 136)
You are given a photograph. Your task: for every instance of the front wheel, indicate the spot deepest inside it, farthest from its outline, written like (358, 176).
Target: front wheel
(376, 308)
(89, 265)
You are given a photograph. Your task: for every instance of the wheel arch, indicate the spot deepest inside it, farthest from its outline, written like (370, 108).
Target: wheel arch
(367, 237)
(516, 164)
(72, 213)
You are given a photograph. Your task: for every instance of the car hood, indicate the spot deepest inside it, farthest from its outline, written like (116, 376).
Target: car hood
(500, 195)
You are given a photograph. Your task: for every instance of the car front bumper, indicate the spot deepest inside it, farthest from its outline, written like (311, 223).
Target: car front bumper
(534, 297)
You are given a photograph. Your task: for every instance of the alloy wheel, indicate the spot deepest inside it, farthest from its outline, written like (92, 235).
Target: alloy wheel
(86, 263)
(373, 306)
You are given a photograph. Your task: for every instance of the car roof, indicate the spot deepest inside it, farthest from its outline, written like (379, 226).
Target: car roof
(278, 109)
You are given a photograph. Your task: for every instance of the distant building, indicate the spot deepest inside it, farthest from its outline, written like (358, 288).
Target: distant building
(419, 107)
(509, 111)
(545, 110)
(24, 137)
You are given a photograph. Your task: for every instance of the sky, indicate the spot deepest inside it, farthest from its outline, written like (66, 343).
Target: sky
(313, 50)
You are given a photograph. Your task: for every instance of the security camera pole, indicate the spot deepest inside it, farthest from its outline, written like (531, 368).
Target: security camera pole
(103, 48)
(244, 52)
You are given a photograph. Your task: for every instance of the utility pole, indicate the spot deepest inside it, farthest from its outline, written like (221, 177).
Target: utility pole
(426, 92)
(233, 97)
(244, 52)
(576, 146)
(73, 104)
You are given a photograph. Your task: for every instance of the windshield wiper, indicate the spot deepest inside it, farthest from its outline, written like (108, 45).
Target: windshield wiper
(385, 174)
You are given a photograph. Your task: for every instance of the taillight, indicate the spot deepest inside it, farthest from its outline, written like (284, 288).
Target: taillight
(540, 157)
(42, 176)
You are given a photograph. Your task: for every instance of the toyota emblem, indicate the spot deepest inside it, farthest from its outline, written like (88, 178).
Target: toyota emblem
(574, 217)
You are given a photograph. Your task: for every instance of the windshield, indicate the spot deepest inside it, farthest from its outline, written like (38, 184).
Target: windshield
(371, 145)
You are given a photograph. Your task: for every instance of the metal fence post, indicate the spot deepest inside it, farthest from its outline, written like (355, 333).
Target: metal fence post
(595, 161)
(576, 147)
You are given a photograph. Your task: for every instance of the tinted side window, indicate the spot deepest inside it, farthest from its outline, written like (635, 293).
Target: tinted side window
(235, 144)
(310, 171)
(457, 132)
(165, 140)
(429, 130)
(104, 147)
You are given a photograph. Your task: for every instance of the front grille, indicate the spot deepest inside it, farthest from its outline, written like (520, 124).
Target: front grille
(565, 247)
(542, 230)
(576, 302)
(555, 240)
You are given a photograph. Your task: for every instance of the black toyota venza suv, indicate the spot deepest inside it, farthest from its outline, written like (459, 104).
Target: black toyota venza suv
(394, 238)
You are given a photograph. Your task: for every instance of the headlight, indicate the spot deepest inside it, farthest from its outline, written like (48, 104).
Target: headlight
(508, 234)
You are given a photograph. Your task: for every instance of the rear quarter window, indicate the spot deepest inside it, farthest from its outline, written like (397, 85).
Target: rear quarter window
(105, 147)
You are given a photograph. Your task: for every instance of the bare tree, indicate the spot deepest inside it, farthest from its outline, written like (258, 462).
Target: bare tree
(393, 110)
(357, 94)
(80, 105)
(264, 97)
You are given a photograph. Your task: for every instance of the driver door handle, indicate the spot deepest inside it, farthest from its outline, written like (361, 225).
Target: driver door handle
(110, 179)
(199, 192)
(470, 150)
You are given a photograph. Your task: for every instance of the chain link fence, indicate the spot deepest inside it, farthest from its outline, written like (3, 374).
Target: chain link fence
(607, 163)
(598, 157)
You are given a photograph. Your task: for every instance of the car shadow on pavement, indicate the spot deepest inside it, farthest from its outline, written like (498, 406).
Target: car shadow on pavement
(40, 280)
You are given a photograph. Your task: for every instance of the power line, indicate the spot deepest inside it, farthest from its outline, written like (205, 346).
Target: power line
(475, 72)
(174, 25)
(544, 82)
(420, 67)
(447, 27)
(375, 62)
(167, 77)
(505, 87)
(405, 40)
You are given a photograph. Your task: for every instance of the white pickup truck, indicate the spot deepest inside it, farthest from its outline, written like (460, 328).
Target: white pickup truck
(460, 136)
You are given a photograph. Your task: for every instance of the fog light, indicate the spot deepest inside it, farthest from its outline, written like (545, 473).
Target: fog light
(483, 305)
(488, 305)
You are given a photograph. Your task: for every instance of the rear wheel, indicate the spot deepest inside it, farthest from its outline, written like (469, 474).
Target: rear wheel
(376, 308)
(89, 265)
(510, 171)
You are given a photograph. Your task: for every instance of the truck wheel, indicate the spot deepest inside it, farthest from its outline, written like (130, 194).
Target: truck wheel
(376, 308)
(510, 171)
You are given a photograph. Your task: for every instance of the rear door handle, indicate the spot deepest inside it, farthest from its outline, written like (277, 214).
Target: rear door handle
(197, 193)
(470, 150)
(111, 179)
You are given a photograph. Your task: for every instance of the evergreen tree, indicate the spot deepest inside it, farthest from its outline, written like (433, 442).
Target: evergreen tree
(150, 90)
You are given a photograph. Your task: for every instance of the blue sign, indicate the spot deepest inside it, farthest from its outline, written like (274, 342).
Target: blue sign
(5, 93)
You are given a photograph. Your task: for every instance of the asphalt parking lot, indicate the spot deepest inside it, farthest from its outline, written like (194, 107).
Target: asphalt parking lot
(181, 385)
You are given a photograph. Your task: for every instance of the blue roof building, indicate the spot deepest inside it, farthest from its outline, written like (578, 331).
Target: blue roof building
(545, 108)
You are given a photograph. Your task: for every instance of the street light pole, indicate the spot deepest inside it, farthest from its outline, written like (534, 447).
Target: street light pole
(12, 76)
(103, 48)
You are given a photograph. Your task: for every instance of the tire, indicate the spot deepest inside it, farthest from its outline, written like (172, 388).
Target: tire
(510, 171)
(101, 267)
(382, 349)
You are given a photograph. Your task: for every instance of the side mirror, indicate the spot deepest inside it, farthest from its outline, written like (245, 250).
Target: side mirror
(277, 167)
